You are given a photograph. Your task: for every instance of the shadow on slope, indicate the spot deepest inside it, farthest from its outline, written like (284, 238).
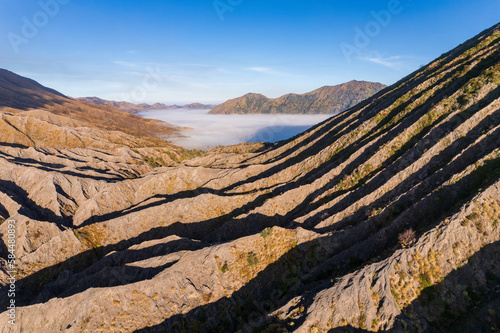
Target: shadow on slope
(31, 209)
(436, 171)
(446, 199)
(392, 130)
(22, 93)
(115, 269)
(388, 167)
(280, 281)
(50, 167)
(37, 281)
(276, 133)
(467, 300)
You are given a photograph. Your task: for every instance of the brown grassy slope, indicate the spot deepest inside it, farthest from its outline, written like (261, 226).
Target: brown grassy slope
(125, 106)
(39, 128)
(20, 93)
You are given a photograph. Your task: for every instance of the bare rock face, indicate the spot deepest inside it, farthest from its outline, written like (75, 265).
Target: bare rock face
(382, 218)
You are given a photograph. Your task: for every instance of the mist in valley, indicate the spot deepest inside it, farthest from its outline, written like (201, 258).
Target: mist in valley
(211, 130)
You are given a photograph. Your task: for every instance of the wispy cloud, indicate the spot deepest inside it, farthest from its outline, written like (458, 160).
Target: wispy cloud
(124, 64)
(268, 71)
(393, 62)
(390, 62)
(260, 69)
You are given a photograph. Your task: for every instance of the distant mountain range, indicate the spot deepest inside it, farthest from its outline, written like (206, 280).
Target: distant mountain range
(137, 108)
(328, 99)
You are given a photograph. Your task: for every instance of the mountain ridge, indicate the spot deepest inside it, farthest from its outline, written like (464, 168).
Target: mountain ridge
(327, 99)
(142, 107)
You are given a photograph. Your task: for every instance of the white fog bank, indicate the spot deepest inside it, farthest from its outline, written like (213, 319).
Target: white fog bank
(211, 130)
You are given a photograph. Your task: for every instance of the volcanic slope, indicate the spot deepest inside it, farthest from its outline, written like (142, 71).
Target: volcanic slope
(21, 97)
(302, 236)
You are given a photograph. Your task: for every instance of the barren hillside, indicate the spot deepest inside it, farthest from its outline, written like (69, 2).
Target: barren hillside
(18, 94)
(328, 99)
(302, 236)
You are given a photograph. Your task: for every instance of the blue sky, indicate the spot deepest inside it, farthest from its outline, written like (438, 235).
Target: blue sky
(209, 51)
